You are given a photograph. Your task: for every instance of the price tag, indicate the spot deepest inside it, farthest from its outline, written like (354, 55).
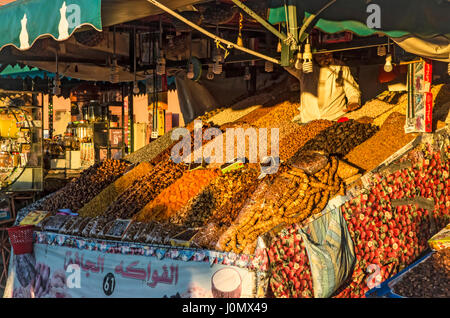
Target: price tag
(34, 218)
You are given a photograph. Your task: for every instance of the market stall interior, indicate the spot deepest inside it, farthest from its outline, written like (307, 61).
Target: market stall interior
(372, 182)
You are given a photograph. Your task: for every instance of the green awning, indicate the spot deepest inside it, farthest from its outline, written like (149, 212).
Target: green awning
(17, 71)
(24, 21)
(424, 19)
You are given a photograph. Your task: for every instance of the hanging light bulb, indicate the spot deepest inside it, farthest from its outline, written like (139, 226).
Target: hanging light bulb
(56, 85)
(239, 41)
(210, 74)
(136, 88)
(161, 64)
(279, 47)
(381, 50)
(388, 66)
(268, 67)
(307, 59)
(298, 62)
(190, 73)
(217, 68)
(114, 75)
(247, 75)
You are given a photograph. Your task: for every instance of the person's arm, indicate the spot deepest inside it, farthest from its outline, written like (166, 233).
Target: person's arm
(351, 89)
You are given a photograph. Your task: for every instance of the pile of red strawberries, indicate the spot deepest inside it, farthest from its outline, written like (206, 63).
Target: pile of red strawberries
(386, 239)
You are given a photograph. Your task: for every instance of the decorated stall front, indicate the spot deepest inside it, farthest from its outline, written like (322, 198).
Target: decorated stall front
(140, 222)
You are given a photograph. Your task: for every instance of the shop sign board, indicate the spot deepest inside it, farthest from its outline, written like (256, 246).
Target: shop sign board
(55, 270)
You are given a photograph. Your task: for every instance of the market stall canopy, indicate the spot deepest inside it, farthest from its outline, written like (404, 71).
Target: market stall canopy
(420, 27)
(23, 22)
(17, 71)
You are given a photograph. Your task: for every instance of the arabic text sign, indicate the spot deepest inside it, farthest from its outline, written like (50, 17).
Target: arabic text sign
(69, 272)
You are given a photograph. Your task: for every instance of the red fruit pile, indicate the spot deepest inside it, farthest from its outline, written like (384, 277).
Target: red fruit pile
(291, 274)
(393, 238)
(386, 239)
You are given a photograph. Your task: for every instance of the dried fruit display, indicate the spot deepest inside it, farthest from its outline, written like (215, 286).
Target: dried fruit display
(100, 203)
(83, 189)
(230, 115)
(292, 197)
(381, 107)
(174, 197)
(340, 138)
(152, 150)
(216, 201)
(297, 138)
(144, 189)
(256, 114)
(390, 138)
(429, 279)
(278, 116)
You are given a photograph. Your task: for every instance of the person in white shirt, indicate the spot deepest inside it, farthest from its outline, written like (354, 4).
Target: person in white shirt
(328, 92)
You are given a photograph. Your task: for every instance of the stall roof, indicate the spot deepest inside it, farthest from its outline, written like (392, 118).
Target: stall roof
(17, 71)
(22, 22)
(420, 27)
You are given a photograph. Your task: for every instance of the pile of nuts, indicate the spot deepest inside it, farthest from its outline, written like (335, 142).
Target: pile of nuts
(429, 279)
(390, 138)
(83, 189)
(290, 144)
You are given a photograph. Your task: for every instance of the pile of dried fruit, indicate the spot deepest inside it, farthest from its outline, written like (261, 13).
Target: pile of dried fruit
(174, 197)
(280, 114)
(144, 189)
(100, 203)
(230, 115)
(429, 279)
(390, 138)
(297, 138)
(340, 138)
(83, 189)
(216, 202)
(381, 107)
(292, 197)
(153, 149)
